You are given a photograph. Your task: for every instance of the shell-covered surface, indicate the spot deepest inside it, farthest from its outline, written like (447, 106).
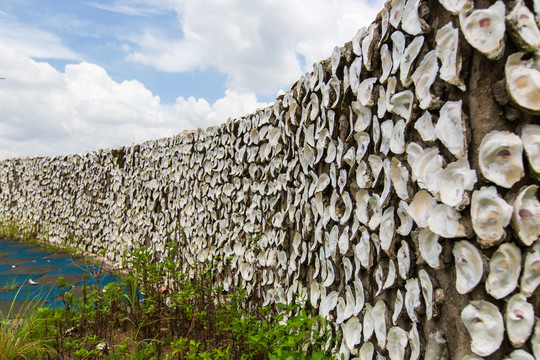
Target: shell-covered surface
(380, 186)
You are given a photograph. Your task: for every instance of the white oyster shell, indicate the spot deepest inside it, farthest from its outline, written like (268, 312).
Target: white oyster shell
(427, 292)
(469, 266)
(519, 355)
(379, 314)
(523, 28)
(411, 22)
(400, 178)
(504, 270)
(526, 215)
(450, 128)
(409, 56)
(387, 229)
(398, 307)
(352, 333)
(402, 104)
(412, 298)
(484, 29)
(531, 271)
(426, 170)
(530, 136)
(454, 181)
(404, 260)
(445, 221)
(519, 319)
(447, 47)
(414, 342)
(425, 127)
(421, 208)
(535, 341)
(429, 247)
(523, 81)
(456, 6)
(490, 215)
(366, 351)
(398, 47)
(485, 325)
(397, 342)
(386, 63)
(423, 77)
(500, 158)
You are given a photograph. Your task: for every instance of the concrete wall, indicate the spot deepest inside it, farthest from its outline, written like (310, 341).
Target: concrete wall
(313, 194)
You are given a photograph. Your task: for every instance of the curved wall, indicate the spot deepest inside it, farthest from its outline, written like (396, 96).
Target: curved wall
(353, 189)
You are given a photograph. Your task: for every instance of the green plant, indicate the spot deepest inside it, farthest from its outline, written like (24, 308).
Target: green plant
(18, 331)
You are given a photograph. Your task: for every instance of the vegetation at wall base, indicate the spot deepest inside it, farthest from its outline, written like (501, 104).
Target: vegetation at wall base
(185, 317)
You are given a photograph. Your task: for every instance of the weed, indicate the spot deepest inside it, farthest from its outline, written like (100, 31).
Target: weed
(18, 331)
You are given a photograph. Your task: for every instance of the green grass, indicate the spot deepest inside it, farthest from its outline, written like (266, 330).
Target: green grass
(18, 333)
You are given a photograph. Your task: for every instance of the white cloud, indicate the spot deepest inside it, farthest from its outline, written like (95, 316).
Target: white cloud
(48, 112)
(32, 41)
(255, 43)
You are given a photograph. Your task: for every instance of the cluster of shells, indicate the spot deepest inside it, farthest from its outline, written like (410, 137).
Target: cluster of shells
(354, 190)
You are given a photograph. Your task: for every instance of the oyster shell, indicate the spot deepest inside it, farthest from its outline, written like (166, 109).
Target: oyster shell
(445, 221)
(429, 247)
(411, 21)
(366, 351)
(520, 355)
(490, 215)
(423, 77)
(454, 181)
(469, 266)
(414, 342)
(404, 260)
(456, 6)
(398, 48)
(379, 314)
(485, 325)
(397, 141)
(535, 340)
(523, 28)
(504, 270)
(352, 333)
(519, 319)
(530, 136)
(397, 342)
(396, 12)
(369, 41)
(400, 177)
(427, 292)
(447, 47)
(398, 307)
(484, 29)
(365, 91)
(426, 170)
(386, 63)
(369, 323)
(387, 229)
(425, 127)
(500, 158)
(523, 81)
(409, 56)
(412, 298)
(526, 215)
(531, 272)
(406, 221)
(421, 208)
(402, 104)
(450, 128)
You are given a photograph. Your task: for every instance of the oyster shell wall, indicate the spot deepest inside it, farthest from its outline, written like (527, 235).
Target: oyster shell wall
(354, 188)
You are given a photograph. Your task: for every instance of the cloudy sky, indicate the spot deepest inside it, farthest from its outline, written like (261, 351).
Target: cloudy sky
(82, 75)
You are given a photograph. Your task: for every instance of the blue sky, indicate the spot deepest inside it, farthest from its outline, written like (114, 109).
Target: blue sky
(81, 75)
